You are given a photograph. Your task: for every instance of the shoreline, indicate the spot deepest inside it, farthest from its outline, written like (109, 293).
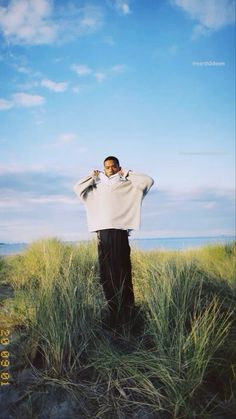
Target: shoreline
(222, 236)
(140, 244)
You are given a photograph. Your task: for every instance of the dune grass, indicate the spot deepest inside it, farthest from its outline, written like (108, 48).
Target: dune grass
(177, 362)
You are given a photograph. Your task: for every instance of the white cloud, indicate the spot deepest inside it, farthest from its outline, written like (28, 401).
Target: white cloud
(123, 6)
(53, 199)
(55, 87)
(89, 22)
(74, 20)
(28, 85)
(27, 21)
(6, 203)
(118, 69)
(17, 169)
(210, 14)
(100, 75)
(22, 69)
(210, 205)
(39, 198)
(5, 104)
(203, 197)
(67, 138)
(36, 22)
(81, 69)
(22, 199)
(77, 89)
(26, 100)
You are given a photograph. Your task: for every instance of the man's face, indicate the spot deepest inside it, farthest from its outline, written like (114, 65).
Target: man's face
(111, 168)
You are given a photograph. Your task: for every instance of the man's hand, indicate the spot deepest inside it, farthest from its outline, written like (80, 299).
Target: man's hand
(95, 174)
(121, 172)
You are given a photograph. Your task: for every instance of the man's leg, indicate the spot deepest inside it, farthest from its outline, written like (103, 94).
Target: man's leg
(115, 271)
(105, 269)
(124, 275)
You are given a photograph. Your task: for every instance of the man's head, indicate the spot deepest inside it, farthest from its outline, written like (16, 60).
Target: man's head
(111, 166)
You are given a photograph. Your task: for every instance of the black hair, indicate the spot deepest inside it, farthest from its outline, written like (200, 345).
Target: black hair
(115, 159)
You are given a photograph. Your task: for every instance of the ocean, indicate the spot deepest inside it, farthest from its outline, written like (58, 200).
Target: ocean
(170, 243)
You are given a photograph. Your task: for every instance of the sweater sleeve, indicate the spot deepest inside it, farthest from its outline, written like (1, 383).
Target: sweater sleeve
(83, 186)
(140, 181)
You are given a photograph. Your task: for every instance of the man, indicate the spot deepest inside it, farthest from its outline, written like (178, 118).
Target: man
(113, 205)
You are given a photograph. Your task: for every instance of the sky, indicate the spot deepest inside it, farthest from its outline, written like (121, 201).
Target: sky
(149, 81)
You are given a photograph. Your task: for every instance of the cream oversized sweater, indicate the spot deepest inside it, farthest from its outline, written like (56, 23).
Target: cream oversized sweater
(113, 202)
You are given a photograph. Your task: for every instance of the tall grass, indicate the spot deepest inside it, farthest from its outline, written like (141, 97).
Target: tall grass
(56, 281)
(169, 367)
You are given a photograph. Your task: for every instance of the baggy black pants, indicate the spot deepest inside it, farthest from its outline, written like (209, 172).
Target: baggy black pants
(115, 272)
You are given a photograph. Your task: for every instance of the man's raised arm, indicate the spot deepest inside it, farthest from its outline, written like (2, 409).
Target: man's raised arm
(139, 180)
(83, 186)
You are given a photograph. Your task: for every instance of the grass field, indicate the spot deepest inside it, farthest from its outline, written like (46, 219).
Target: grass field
(177, 359)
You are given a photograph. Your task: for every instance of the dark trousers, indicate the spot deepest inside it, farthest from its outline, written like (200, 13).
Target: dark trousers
(115, 272)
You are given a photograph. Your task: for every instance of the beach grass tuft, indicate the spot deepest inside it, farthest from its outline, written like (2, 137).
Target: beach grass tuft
(175, 360)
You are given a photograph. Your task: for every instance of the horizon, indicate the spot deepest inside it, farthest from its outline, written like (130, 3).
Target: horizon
(130, 238)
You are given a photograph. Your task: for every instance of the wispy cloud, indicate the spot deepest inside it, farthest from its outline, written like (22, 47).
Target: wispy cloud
(5, 104)
(203, 153)
(21, 99)
(118, 69)
(63, 140)
(211, 15)
(36, 22)
(54, 86)
(28, 21)
(24, 200)
(74, 20)
(99, 75)
(33, 183)
(22, 69)
(77, 89)
(27, 100)
(193, 212)
(67, 138)
(15, 168)
(200, 195)
(42, 197)
(28, 85)
(81, 69)
(122, 6)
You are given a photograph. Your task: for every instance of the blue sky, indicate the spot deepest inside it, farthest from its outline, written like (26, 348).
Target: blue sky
(149, 81)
